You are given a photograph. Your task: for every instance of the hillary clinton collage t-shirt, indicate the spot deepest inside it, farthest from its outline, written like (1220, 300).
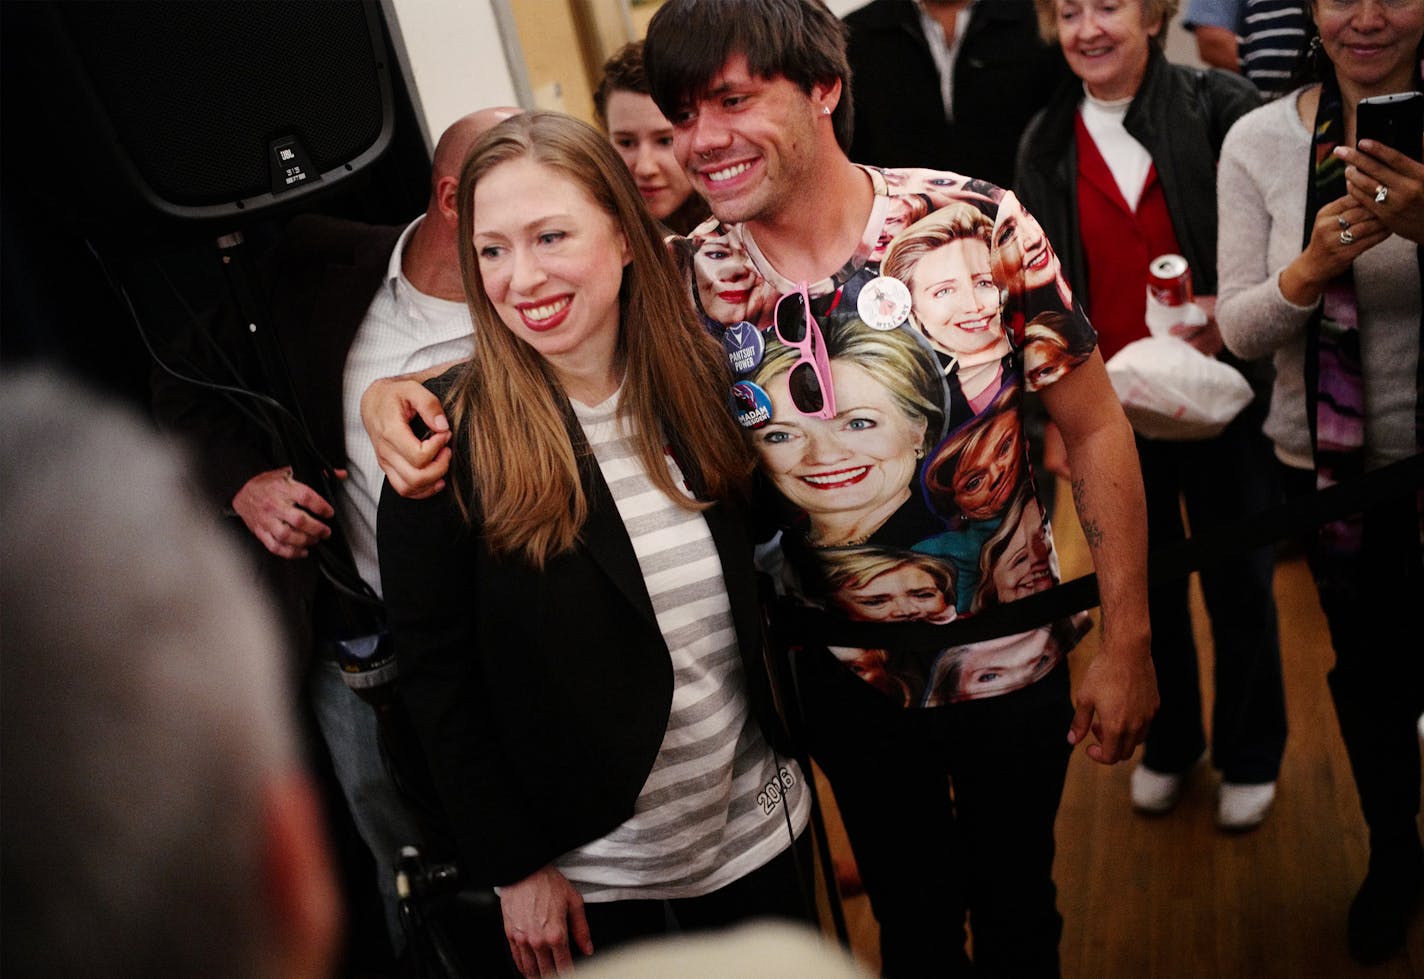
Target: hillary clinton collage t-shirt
(884, 405)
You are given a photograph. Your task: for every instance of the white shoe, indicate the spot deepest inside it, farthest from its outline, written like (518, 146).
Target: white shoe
(1244, 806)
(1156, 792)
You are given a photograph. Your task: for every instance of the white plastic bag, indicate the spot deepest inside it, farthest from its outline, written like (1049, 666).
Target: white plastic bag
(1171, 390)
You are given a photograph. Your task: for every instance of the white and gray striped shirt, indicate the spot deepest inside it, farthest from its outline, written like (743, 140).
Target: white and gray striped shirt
(713, 807)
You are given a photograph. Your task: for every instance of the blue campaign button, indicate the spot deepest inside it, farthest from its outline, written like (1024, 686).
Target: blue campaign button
(744, 345)
(751, 403)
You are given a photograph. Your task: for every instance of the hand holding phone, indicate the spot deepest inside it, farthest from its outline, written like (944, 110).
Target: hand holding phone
(1396, 120)
(1392, 193)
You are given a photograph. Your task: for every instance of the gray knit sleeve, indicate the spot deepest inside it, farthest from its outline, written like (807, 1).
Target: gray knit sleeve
(1258, 232)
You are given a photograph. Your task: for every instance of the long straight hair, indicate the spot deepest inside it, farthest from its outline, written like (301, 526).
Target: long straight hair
(508, 409)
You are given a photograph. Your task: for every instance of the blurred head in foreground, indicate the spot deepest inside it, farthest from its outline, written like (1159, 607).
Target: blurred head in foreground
(155, 819)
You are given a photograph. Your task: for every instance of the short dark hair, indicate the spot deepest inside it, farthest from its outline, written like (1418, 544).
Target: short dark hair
(690, 40)
(622, 72)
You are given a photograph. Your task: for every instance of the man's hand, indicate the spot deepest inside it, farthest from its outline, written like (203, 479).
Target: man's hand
(541, 914)
(283, 513)
(1117, 697)
(416, 468)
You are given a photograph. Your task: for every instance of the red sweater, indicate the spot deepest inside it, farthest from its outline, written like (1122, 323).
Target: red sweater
(1118, 245)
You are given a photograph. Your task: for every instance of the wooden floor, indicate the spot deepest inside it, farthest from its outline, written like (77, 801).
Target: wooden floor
(1172, 897)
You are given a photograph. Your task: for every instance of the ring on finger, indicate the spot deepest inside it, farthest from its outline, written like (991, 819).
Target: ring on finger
(1347, 237)
(1381, 193)
(1344, 224)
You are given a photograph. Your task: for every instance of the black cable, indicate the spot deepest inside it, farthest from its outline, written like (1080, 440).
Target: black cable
(803, 880)
(341, 575)
(823, 843)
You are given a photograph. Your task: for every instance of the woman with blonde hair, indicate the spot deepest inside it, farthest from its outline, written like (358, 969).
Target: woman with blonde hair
(852, 473)
(957, 306)
(872, 584)
(577, 623)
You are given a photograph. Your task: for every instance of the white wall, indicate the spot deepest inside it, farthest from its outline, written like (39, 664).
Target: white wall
(454, 59)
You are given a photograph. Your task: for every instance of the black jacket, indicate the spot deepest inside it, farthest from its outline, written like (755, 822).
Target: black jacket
(1004, 73)
(1180, 115)
(542, 696)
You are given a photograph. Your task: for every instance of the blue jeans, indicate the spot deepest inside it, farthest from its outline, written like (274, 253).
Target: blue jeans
(349, 727)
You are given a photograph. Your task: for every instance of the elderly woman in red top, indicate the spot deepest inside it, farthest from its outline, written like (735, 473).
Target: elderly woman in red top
(1120, 168)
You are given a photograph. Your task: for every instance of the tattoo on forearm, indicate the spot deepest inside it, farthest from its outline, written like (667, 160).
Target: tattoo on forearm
(1091, 531)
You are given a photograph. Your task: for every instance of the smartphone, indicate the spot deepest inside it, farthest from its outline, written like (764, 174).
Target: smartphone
(1396, 120)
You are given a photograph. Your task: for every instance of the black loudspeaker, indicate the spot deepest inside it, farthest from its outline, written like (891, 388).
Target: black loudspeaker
(215, 111)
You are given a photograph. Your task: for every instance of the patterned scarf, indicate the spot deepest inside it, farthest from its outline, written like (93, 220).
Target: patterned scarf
(1334, 382)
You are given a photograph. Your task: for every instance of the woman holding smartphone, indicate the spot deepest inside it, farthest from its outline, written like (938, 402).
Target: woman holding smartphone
(1320, 267)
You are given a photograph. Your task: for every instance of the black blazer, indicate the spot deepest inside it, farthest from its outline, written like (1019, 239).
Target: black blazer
(541, 697)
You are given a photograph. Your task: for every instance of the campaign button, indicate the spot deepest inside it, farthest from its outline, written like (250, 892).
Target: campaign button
(744, 345)
(884, 302)
(751, 403)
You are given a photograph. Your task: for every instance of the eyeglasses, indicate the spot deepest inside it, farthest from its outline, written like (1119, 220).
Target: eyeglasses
(809, 380)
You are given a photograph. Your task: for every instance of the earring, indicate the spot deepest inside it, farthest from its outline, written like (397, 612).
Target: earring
(825, 110)
(919, 453)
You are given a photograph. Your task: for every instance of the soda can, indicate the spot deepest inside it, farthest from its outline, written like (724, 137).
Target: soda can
(1169, 280)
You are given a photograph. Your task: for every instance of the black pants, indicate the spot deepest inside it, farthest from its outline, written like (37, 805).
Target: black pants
(1371, 602)
(1222, 480)
(950, 812)
(780, 888)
